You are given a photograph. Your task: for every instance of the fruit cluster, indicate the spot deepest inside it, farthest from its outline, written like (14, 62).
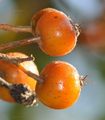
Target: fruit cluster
(58, 85)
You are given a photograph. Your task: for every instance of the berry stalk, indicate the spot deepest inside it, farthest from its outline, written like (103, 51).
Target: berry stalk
(19, 43)
(16, 29)
(17, 61)
(14, 60)
(4, 83)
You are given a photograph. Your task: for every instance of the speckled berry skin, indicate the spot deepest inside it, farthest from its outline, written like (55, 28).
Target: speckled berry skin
(57, 32)
(61, 85)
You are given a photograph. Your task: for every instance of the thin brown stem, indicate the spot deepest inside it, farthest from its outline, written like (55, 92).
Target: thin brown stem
(16, 29)
(14, 60)
(34, 76)
(19, 43)
(17, 60)
(4, 83)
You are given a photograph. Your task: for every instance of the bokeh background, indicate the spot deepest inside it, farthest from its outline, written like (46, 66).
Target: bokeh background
(88, 56)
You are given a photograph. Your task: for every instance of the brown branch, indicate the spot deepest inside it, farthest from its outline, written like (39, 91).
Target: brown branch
(4, 83)
(16, 29)
(17, 60)
(14, 60)
(34, 76)
(19, 43)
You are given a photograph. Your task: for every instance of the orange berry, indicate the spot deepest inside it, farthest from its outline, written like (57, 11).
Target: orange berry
(61, 85)
(16, 75)
(57, 32)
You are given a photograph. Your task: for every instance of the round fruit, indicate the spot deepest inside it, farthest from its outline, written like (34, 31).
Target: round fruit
(60, 87)
(57, 33)
(16, 75)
